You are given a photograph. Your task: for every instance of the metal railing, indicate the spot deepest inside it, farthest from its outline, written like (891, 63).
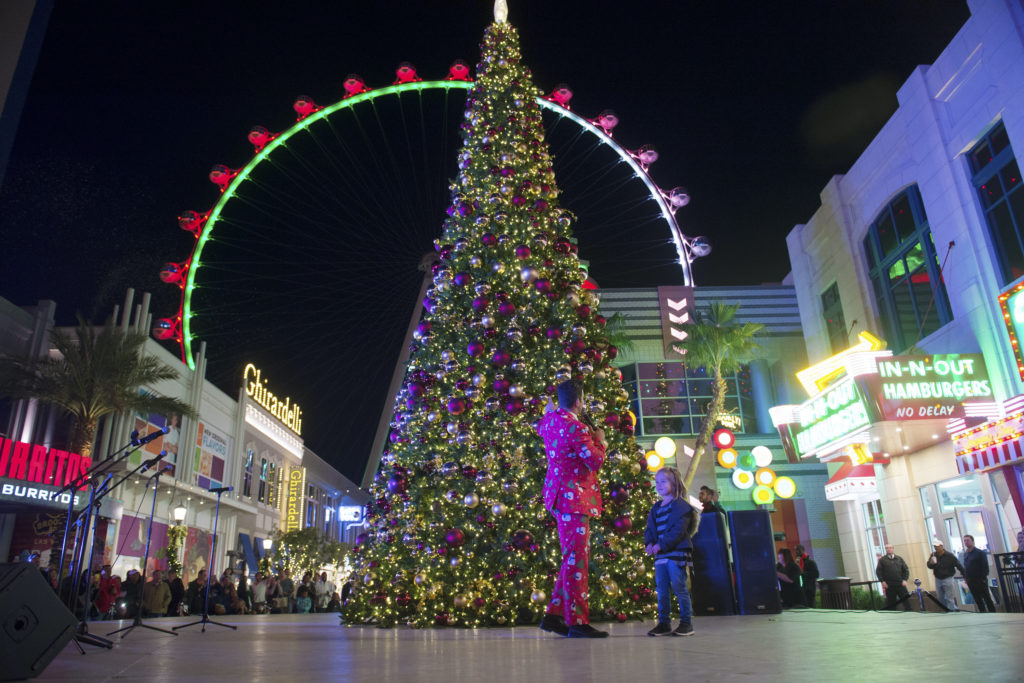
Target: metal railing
(1010, 567)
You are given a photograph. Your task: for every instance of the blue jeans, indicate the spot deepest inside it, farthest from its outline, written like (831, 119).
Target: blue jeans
(670, 577)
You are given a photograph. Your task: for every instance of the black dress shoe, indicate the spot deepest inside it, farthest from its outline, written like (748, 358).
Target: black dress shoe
(586, 631)
(553, 623)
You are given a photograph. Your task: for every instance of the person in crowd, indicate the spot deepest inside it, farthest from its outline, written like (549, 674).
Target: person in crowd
(287, 586)
(671, 524)
(108, 594)
(156, 595)
(346, 590)
(177, 592)
(274, 597)
(324, 589)
(975, 566)
(243, 589)
(259, 594)
(303, 603)
(575, 453)
(195, 596)
(307, 583)
(944, 565)
(334, 604)
(233, 601)
(132, 588)
(220, 602)
(788, 573)
(893, 572)
(808, 575)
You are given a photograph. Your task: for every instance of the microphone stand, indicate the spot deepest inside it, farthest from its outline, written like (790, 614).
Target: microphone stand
(96, 493)
(145, 564)
(205, 619)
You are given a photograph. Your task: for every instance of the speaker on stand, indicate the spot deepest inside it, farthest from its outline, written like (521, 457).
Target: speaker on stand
(712, 590)
(754, 560)
(34, 624)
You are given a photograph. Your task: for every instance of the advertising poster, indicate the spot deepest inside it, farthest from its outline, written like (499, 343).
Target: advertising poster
(197, 553)
(131, 540)
(210, 457)
(147, 423)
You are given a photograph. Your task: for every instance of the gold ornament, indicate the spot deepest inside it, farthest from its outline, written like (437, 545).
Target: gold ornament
(461, 601)
(420, 579)
(369, 578)
(471, 500)
(538, 596)
(498, 509)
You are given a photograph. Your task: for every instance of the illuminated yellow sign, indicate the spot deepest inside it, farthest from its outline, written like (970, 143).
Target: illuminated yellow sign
(294, 499)
(820, 375)
(290, 414)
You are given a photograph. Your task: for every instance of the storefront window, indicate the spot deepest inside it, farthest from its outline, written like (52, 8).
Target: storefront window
(263, 481)
(250, 455)
(926, 508)
(874, 525)
(1006, 512)
(959, 492)
(673, 398)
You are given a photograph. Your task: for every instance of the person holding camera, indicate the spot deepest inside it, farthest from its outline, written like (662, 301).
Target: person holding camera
(944, 565)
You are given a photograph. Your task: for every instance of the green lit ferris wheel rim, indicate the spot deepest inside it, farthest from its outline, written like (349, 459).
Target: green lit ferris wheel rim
(418, 86)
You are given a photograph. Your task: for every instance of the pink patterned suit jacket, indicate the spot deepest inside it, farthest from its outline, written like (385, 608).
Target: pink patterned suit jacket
(573, 461)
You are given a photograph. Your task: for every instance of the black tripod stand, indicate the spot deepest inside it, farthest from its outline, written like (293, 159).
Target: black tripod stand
(205, 619)
(145, 562)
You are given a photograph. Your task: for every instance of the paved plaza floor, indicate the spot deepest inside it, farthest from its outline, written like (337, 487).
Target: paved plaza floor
(806, 645)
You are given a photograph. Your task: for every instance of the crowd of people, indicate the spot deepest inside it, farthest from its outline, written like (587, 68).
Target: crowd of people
(166, 594)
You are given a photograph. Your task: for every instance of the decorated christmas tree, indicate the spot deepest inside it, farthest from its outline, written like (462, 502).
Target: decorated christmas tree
(457, 532)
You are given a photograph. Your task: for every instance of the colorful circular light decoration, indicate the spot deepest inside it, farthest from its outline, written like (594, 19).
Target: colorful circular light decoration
(765, 476)
(746, 461)
(727, 458)
(785, 487)
(665, 447)
(763, 495)
(654, 461)
(632, 417)
(763, 455)
(723, 438)
(743, 479)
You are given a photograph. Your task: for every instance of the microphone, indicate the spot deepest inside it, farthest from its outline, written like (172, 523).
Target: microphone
(135, 437)
(148, 437)
(586, 419)
(152, 461)
(222, 489)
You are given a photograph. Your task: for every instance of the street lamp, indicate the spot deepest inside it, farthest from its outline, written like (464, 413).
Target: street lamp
(267, 544)
(179, 513)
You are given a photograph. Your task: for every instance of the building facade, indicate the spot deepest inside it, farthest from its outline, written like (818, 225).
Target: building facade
(921, 244)
(250, 445)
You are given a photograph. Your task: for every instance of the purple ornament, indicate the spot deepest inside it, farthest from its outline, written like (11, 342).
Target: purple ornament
(506, 308)
(501, 357)
(455, 537)
(488, 239)
(461, 279)
(457, 406)
(480, 303)
(523, 251)
(543, 285)
(475, 348)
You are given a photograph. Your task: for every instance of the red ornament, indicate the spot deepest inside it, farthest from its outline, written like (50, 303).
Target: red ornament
(455, 537)
(457, 406)
(522, 540)
(501, 358)
(475, 349)
(523, 251)
(623, 523)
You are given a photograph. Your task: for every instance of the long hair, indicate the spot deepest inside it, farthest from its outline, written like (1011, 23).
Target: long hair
(787, 557)
(676, 479)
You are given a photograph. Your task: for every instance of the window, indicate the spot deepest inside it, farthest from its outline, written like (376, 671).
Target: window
(996, 177)
(273, 485)
(250, 454)
(673, 398)
(263, 481)
(835, 323)
(905, 274)
(874, 525)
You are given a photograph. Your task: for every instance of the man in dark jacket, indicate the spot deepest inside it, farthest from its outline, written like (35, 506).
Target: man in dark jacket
(195, 596)
(808, 575)
(893, 572)
(976, 573)
(944, 565)
(177, 592)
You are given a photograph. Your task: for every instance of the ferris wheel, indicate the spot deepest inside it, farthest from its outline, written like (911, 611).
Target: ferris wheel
(373, 166)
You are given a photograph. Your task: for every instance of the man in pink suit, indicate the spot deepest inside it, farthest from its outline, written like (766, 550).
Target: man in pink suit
(571, 493)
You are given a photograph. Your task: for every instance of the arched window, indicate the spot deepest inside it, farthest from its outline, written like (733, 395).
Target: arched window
(905, 274)
(996, 177)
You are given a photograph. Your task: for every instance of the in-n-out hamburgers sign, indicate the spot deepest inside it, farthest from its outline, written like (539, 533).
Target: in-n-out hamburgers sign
(31, 473)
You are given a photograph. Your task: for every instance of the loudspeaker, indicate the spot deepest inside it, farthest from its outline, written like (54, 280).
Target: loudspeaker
(711, 592)
(34, 624)
(754, 559)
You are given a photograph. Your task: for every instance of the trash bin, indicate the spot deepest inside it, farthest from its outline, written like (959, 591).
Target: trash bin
(835, 593)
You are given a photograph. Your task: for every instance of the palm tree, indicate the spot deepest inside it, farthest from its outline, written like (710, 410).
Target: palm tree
(93, 375)
(717, 344)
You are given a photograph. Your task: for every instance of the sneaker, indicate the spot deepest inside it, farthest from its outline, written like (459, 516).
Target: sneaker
(586, 631)
(685, 628)
(662, 629)
(552, 623)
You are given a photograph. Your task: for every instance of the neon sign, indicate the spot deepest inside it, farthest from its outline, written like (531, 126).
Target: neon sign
(294, 499)
(828, 417)
(929, 387)
(35, 473)
(290, 414)
(1012, 304)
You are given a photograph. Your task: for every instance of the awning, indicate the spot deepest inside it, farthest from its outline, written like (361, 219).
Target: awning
(852, 482)
(250, 556)
(1006, 453)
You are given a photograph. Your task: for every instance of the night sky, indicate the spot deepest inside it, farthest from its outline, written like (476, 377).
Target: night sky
(752, 107)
